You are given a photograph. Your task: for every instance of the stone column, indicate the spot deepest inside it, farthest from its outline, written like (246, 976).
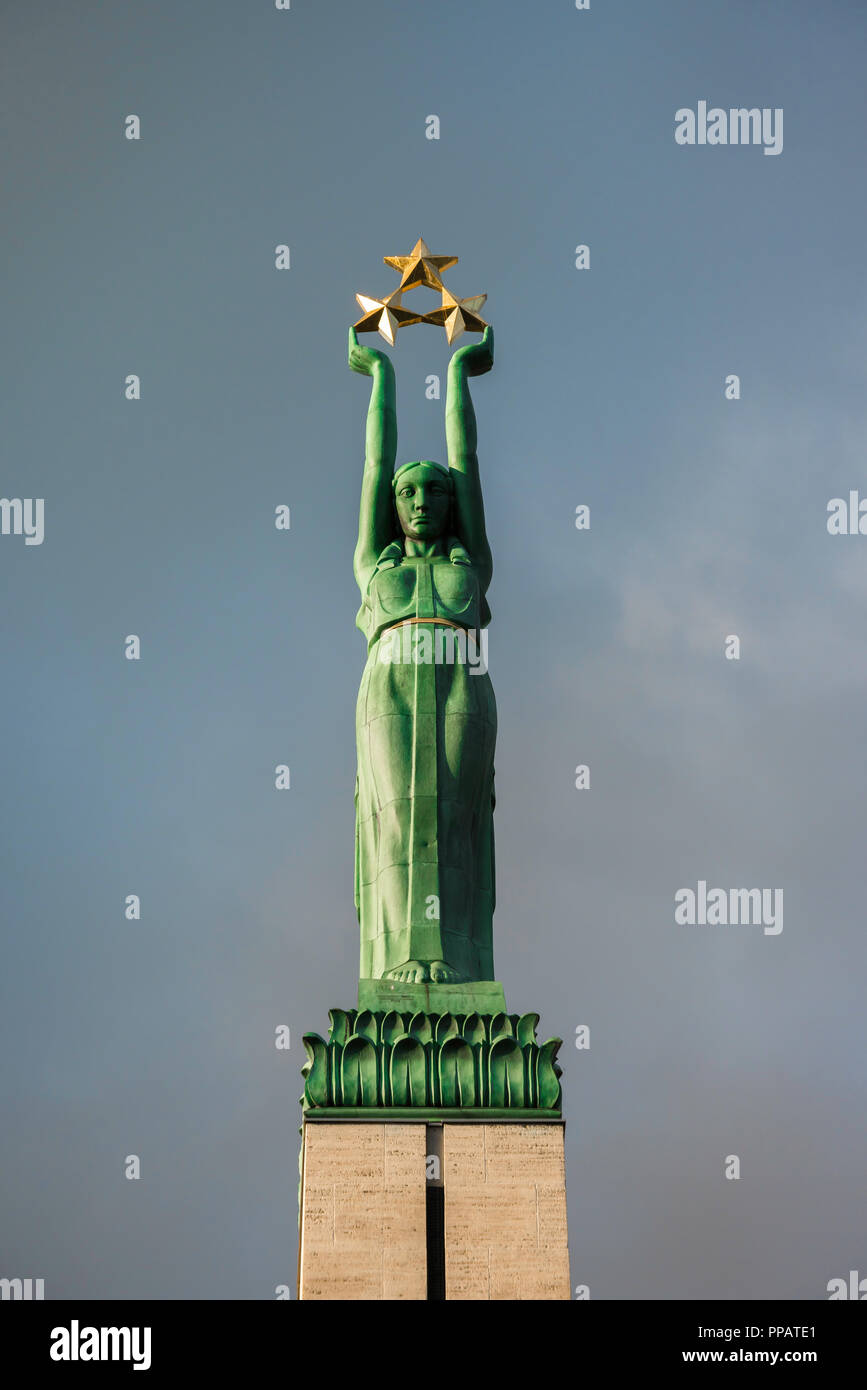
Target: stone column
(365, 1192)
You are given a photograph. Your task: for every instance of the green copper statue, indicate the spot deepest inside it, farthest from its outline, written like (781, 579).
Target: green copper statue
(426, 720)
(432, 1038)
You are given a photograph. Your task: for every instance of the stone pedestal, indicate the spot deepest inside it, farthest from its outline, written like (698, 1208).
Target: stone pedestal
(363, 1211)
(475, 997)
(463, 1210)
(505, 1212)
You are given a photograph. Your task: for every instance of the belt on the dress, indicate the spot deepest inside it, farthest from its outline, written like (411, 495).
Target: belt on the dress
(443, 622)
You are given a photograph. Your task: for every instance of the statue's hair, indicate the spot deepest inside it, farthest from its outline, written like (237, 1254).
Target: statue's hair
(425, 463)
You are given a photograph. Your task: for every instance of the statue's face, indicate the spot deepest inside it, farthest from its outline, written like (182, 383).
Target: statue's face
(422, 499)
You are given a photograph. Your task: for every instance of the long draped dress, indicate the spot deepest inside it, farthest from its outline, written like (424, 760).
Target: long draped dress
(425, 734)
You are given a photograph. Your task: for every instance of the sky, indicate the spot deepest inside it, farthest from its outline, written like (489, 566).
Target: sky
(708, 519)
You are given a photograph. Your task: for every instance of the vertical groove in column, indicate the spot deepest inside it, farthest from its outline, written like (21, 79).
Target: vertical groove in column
(435, 1211)
(436, 1245)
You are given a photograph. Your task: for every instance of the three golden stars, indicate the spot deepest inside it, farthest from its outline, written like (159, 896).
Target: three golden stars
(418, 269)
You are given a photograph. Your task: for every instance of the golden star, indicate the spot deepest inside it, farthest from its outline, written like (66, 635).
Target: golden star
(384, 316)
(456, 315)
(420, 267)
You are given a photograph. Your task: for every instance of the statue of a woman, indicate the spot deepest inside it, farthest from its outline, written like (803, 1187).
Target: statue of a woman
(425, 726)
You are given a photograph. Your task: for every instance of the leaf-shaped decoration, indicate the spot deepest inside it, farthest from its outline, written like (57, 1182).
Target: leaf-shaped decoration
(546, 1072)
(315, 1070)
(501, 1027)
(448, 1060)
(456, 1074)
(340, 1029)
(506, 1074)
(358, 1072)
(392, 1027)
(525, 1028)
(408, 1073)
(367, 1025)
(473, 1029)
(420, 1028)
(445, 1027)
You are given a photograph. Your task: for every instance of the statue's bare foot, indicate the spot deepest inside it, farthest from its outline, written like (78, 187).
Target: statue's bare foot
(443, 974)
(412, 972)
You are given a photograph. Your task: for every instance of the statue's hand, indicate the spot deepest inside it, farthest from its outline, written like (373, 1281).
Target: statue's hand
(364, 359)
(476, 358)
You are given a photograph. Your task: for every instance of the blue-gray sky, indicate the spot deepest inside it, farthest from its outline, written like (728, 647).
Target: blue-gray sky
(156, 257)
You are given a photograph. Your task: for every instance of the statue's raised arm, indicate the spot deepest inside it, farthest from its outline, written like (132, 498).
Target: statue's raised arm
(375, 524)
(463, 458)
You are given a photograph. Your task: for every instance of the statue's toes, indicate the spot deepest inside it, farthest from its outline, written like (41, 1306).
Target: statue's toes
(443, 974)
(410, 973)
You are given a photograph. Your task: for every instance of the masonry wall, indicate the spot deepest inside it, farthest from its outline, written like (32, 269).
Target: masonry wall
(363, 1211)
(505, 1212)
(363, 1224)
